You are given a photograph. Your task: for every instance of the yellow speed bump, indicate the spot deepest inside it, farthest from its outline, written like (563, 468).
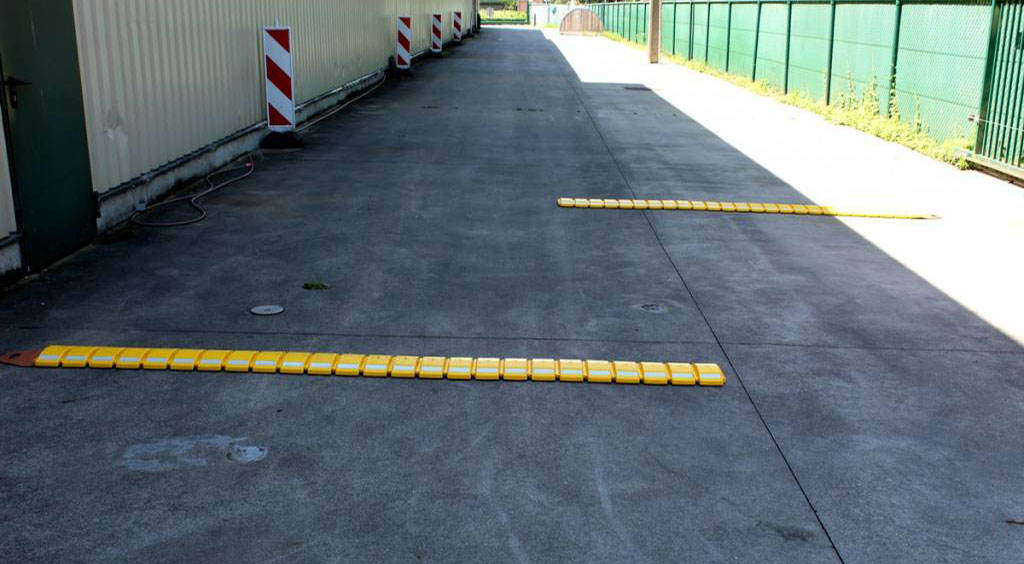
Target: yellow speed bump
(157, 359)
(599, 371)
(459, 368)
(51, 356)
(404, 366)
(516, 369)
(569, 370)
(294, 363)
(487, 368)
(626, 372)
(129, 359)
(104, 357)
(185, 359)
(740, 207)
(321, 364)
(377, 366)
(432, 367)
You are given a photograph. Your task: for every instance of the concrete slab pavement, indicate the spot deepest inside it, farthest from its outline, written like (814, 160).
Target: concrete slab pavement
(429, 209)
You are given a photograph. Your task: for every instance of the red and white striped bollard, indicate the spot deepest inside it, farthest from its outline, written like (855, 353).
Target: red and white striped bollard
(277, 50)
(457, 26)
(435, 34)
(403, 55)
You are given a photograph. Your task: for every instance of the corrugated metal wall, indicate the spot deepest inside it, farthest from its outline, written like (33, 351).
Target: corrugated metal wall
(7, 223)
(163, 78)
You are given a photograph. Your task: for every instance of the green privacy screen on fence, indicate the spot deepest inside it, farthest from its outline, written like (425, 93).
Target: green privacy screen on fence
(935, 56)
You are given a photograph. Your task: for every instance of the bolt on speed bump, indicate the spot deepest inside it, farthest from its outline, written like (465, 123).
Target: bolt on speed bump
(375, 366)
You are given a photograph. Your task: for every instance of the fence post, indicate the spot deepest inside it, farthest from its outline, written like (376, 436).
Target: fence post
(831, 50)
(689, 54)
(674, 6)
(757, 40)
(789, 34)
(728, 34)
(895, 57)
(707, 34)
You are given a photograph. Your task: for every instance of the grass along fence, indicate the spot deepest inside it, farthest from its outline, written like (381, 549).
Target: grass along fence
(910, 72)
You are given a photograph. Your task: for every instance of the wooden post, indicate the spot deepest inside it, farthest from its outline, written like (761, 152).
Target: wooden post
(654, 32)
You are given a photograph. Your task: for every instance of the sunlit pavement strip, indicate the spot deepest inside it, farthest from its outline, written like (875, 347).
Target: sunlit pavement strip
(732, 207)
(379, 366)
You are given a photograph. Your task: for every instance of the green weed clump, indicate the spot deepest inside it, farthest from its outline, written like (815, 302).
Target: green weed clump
(861, 112)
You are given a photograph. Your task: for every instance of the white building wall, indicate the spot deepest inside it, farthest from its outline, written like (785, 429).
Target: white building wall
(164, 78)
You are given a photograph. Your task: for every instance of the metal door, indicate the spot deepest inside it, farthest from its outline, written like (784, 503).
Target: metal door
(42, 99)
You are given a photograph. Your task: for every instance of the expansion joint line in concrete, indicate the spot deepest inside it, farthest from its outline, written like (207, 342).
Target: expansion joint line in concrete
(718, 341)
(379, 366)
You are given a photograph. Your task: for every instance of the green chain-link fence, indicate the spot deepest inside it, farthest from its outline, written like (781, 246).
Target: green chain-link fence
(951, 65)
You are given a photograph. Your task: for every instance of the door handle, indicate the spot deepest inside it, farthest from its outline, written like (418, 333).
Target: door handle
(12, 85)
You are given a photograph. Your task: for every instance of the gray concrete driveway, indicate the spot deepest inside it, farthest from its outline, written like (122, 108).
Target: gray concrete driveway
(870, 416)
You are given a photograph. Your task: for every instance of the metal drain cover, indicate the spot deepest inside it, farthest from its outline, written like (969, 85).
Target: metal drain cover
(267, 310)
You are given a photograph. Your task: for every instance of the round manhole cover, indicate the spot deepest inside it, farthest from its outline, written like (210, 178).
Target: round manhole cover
(267, 310)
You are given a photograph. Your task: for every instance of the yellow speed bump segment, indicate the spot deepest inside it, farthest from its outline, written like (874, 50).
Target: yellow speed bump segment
(375, 366)
(738, 207)
(404, 366)
(515, 369)
(185, 359)
(487, 368)
(459, 368)
(432, 367)
(104, 357)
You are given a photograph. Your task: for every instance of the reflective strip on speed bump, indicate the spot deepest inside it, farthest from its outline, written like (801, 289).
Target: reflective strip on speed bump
(459, 368)
(654, 373)
(266, 362)
(404, 366)
(487, 368)
(682, 374)
(130, 359)
(737, 207)
(77, 357)
(51, 356)
(710, 375)
(571, 370)
(432, 367)
(516, 369)
(231, 361)
(321, 364)
(104, 357)
(158, 359)
(599, 371)
(184, 359)
(349, 365)
(294, 363)
(378, 366)
(626, 372)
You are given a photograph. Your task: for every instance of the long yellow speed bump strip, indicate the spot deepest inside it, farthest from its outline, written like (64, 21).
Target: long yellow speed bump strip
(332, 364)
(730, 207)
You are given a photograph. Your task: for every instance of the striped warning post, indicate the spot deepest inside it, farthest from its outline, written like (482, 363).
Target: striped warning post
(403, 55)
(277, 50)
(436, 29)
(733, 207)
(372, 365)
(457, 25)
